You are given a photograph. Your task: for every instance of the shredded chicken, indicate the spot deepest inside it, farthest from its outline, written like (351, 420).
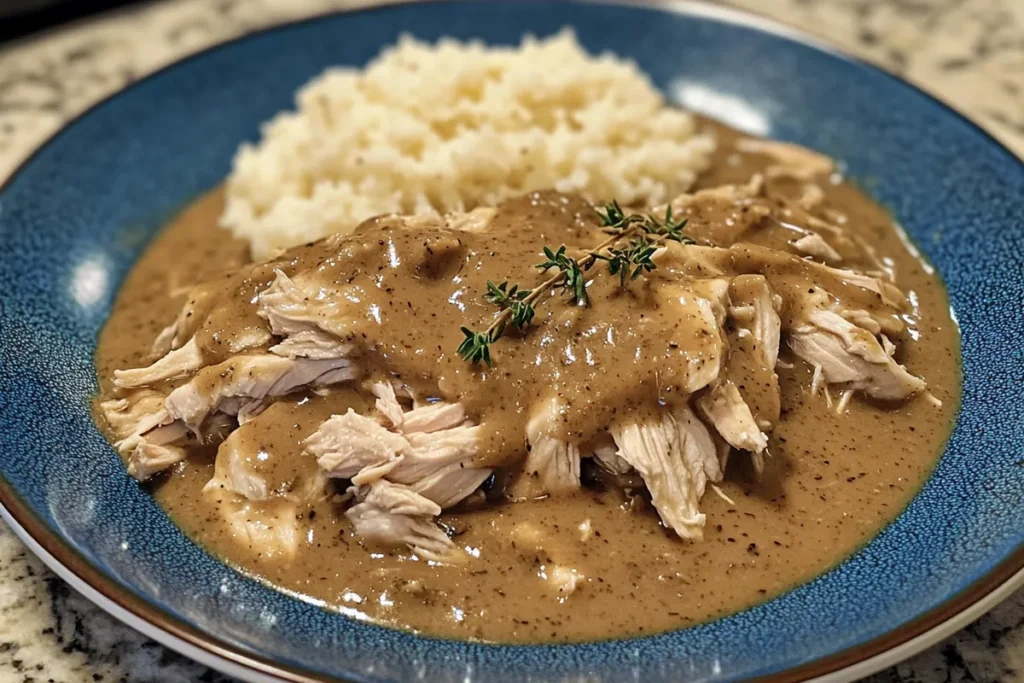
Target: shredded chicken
(451, 484)
(232, 473)
(430, 449)
(725, 408)
(243, 382)
(298, 315)
(887, 302)
(865, 320)
(477, 220)
(609, 458)
(135, 415)
(744, 400)
(156, 453)
(408, 459)
(164, 341)
(792, 161)
(815, 245)
(177, 363)
(154, 429)
(552, 466)
(146, 433)
(269, 528)
(353, 446)
(703, 305)
(720, 215)
(676, 456)
(393, 514)
(433, 417)
(727, 193)
(811, 197)
(850, 355)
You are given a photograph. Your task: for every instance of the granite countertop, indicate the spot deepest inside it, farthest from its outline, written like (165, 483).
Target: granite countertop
(968, 52)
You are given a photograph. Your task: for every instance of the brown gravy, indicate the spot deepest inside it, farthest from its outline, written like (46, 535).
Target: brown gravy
(832, 482)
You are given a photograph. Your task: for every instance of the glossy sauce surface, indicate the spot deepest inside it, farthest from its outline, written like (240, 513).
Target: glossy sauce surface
(831, 483)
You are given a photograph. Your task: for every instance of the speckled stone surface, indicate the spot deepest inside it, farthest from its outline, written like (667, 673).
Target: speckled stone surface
(969, 52)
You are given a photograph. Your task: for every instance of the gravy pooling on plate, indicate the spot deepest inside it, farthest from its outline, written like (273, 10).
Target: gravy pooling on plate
(798, 344)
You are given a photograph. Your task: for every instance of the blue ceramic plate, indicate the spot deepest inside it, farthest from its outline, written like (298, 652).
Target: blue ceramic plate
(78, 214)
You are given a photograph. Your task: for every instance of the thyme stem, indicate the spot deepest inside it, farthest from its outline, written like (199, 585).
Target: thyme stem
(517, 304)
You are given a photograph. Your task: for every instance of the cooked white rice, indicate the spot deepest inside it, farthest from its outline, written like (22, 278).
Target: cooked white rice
(452, 126)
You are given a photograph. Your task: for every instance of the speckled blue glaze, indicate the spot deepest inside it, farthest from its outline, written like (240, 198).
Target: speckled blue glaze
(77, 215)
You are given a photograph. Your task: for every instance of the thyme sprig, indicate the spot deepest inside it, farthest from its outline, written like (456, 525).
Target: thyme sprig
(571, 272)
(476, 346)
(517, 305)
(631, 262)
(616, 220)
(513, 299)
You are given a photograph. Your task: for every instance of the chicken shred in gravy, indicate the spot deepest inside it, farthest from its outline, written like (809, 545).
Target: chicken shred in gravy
(716, 431)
